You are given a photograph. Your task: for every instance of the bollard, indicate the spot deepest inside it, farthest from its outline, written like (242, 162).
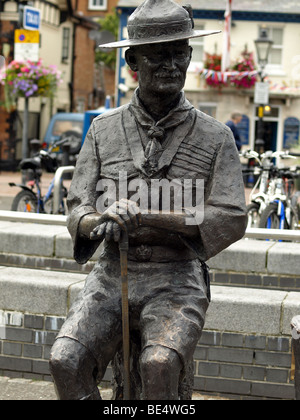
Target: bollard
(295, 372)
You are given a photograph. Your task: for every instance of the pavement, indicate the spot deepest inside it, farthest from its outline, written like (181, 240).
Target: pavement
(27, 389)
(19, 389)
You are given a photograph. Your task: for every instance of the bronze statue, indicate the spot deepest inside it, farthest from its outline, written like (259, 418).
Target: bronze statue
(158, 136)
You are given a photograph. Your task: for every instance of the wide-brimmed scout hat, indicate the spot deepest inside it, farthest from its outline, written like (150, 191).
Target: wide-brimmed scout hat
(156, 21)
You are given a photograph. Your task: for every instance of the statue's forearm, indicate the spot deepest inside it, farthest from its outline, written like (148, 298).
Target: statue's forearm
(175, 223)
(172, 222)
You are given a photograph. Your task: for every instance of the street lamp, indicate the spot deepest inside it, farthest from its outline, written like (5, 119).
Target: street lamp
(263, 47)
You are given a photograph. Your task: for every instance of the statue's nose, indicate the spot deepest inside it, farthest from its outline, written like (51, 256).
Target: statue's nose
(169, 62)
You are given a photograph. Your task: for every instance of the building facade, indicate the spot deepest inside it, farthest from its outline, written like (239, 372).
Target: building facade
(281, 22)
(67, 40)
(92, 82)
(54, 21)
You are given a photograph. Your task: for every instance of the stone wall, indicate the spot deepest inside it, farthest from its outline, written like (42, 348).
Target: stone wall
(245, 350)
(248, 262)
(259, 264)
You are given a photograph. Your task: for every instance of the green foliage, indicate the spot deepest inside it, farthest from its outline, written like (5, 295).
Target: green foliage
(111, 24)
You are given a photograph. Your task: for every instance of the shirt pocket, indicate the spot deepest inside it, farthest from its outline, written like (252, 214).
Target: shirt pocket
(114, 168)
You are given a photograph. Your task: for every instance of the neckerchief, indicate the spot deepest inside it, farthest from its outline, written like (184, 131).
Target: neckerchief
(156, 130)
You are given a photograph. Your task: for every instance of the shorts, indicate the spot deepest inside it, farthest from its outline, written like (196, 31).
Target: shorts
(167, 304)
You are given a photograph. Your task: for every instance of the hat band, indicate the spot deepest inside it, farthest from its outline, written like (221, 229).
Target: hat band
(156, 30)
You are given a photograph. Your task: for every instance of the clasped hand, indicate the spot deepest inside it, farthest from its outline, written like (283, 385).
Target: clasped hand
(123, 215)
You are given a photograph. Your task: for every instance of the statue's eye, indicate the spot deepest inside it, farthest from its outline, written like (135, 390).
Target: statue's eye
(180, 54)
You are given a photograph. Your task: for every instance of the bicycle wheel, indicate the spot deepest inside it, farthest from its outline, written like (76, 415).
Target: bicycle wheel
(253, 215)
(293, 220)
(48, 205)
(270, 219)
(25, 201)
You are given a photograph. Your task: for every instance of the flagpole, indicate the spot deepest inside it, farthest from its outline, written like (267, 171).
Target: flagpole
(226, 37)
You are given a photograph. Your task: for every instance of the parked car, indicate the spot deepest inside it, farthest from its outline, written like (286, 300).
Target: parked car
(72, 125)
(64, 124)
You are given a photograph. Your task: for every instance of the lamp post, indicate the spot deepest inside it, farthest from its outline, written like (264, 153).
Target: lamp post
(263, 47)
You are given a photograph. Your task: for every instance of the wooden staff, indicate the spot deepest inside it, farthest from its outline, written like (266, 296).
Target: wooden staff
(123, 247)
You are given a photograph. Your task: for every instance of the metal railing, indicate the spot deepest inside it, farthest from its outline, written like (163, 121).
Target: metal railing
(273, 234)
(57, 190)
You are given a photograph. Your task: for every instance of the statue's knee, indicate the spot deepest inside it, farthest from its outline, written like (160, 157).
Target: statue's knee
(159, 359)
(64, 357)
(74, 370)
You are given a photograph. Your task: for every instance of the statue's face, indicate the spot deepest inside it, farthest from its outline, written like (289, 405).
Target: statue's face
(162, 67)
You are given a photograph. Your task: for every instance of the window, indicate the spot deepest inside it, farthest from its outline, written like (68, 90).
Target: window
(275, 57)
(97, 4)
(49, 13)
(276, 34)
(198, 49)
(65, 44)
(209, 108)
(291, 132)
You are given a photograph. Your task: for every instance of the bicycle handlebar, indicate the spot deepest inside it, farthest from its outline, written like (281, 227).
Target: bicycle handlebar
(283, 155)
(269, 154)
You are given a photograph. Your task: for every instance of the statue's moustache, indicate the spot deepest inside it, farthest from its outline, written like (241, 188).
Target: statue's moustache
(166, 75)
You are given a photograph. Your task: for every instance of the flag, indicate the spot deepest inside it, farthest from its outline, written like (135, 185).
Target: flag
(226, 37)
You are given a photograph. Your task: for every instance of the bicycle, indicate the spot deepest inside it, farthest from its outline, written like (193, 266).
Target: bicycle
(265, 170)
(283, 210)
(30, 198)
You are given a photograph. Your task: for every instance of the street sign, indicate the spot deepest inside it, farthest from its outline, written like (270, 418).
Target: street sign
(261, 94)
(31, 18)
(26, 45)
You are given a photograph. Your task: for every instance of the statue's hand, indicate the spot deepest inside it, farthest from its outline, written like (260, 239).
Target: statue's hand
(122, 215)
(108, 230)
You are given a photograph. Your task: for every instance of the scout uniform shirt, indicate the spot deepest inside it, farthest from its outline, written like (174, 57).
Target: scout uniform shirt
(195, 147)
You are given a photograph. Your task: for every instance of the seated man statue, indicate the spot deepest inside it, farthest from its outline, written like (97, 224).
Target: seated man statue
(158, 136)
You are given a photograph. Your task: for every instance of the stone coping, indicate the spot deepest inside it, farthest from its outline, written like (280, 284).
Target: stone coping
(232, 309)
(246, 255)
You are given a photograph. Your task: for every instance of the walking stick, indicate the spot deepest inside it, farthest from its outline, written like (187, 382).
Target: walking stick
(123, 247)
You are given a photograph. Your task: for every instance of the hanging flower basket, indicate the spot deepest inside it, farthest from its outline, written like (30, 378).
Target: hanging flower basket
(214, 76)
(242, 74)
(28, 79)
(245, 67)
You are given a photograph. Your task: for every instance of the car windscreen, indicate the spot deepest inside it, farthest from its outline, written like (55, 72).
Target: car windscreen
(61, 126)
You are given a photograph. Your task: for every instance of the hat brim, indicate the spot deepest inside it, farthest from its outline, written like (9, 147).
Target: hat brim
(158, 40)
